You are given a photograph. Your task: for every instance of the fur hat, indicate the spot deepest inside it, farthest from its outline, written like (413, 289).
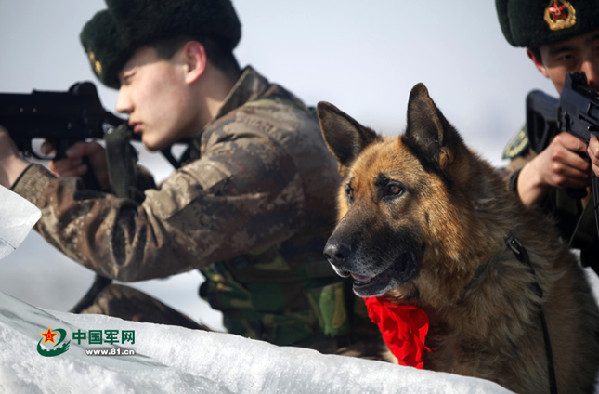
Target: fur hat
(532, 23)
(113, 34)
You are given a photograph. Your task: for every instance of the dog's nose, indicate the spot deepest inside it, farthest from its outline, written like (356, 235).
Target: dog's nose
(337, 253)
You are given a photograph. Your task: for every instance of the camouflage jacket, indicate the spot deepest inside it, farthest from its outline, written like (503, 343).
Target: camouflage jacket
(252, 209)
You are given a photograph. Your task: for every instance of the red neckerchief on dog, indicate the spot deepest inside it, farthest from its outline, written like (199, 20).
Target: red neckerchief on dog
(403, 327)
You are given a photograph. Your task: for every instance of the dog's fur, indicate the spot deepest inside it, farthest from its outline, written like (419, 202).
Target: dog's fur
(424, 221)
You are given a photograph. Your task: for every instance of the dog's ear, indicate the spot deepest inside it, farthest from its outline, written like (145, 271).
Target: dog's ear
(428, 130)
(345, 137)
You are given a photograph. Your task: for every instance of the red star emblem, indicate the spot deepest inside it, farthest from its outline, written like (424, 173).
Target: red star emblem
(557, 12)
(49, 335)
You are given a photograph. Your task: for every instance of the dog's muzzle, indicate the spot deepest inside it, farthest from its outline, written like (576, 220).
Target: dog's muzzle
(337, 255)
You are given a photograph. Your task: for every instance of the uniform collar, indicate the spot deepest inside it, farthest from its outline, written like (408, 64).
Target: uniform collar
(250, 85)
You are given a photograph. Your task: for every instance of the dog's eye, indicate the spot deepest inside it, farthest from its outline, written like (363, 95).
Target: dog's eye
(393, 190)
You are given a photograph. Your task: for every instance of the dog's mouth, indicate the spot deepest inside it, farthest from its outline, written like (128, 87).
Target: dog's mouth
(398, 273)
(375, 269)
(368, 286)
(361, 280)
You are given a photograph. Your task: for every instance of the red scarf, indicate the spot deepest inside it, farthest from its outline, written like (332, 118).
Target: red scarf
(403, 327)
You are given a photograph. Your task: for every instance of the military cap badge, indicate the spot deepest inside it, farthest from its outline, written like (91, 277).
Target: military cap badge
(559, 15)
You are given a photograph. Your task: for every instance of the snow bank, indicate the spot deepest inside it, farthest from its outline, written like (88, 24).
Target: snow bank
(174, 359)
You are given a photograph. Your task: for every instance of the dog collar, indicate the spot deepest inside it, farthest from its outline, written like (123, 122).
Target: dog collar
(404, 328)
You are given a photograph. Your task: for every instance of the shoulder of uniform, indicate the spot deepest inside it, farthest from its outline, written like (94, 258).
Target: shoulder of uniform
(267, 102)
(517, 146)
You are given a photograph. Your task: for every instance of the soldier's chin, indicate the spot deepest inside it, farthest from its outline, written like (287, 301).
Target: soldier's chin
(156, 143)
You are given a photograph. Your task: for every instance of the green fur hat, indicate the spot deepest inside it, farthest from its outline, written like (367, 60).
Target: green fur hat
(113, 34)
(532, 23)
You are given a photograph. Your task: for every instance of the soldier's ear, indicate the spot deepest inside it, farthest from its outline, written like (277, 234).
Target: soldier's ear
(194, 55)
(345, 137)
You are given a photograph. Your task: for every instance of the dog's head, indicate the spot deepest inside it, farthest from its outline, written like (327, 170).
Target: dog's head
(399, 221)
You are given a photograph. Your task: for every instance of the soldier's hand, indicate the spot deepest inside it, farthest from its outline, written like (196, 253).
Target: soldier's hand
(11, 163)
(74, 165)
(593, 151)
(559, 165)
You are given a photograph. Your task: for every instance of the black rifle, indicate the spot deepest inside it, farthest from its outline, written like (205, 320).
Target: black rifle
(61, 118)
(576, 111)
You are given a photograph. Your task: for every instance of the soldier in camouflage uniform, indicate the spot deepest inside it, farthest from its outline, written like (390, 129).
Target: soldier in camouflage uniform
(251, 206)
(560, 37)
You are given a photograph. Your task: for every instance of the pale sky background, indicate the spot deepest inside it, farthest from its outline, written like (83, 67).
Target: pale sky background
(364, 57)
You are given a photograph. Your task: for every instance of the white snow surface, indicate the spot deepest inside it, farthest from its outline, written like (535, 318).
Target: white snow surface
(17, 217)
(178, 360)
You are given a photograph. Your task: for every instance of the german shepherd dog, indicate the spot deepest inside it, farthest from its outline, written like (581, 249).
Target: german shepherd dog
(425, 222)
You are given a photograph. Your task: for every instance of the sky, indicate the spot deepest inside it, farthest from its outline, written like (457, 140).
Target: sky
(363, 57)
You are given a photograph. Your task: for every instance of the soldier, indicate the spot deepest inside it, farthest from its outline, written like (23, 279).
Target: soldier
(560, 37)
(251, 205)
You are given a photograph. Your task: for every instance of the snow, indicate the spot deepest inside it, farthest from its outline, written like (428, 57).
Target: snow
(175, 359)
(17, 217)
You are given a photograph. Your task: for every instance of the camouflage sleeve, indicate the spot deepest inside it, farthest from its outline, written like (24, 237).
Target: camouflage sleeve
(244, 193)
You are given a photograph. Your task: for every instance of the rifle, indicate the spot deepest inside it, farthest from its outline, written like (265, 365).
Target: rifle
(64, 118)
(576, 112)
